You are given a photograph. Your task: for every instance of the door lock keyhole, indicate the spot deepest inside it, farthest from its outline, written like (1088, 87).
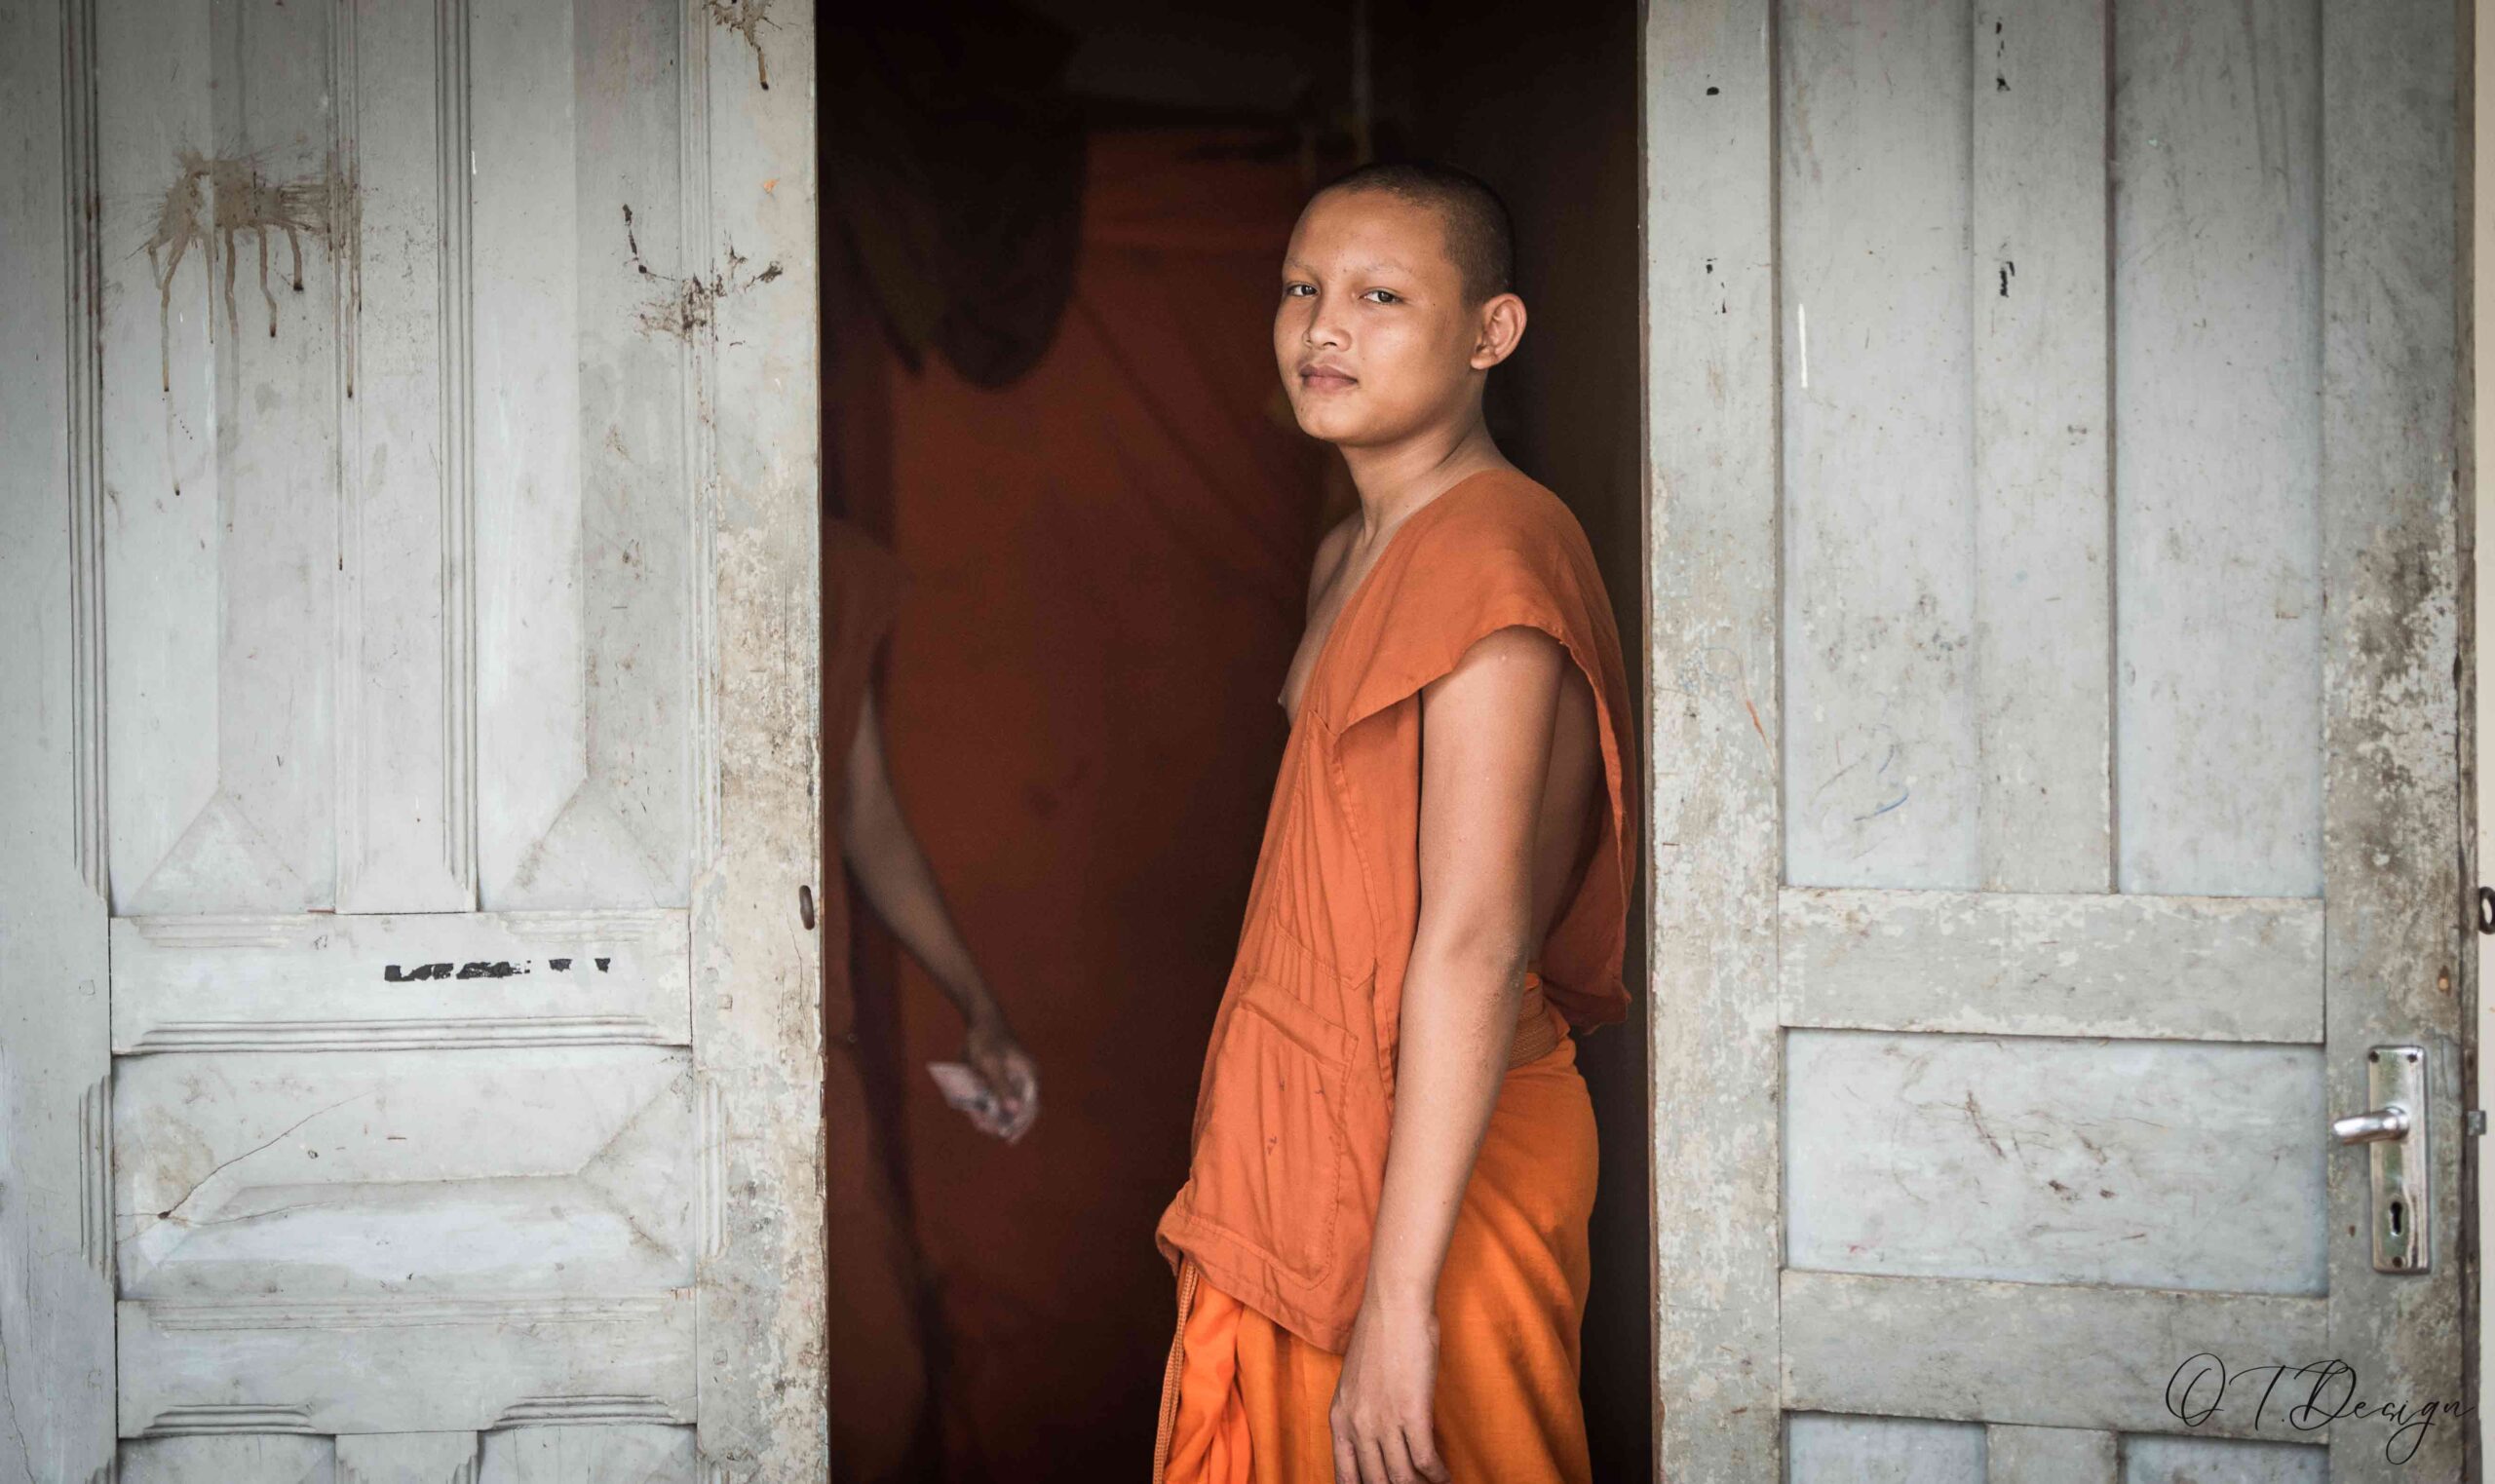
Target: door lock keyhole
(2398, 1161)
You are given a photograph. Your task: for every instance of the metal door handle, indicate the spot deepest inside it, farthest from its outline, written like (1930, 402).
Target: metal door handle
(2390, 1123)
(2394, 1133)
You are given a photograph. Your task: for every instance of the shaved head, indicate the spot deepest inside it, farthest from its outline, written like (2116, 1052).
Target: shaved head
(1481, 236)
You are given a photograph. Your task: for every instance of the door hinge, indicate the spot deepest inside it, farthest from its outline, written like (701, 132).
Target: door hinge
(2476, 1121)
(2486, 909)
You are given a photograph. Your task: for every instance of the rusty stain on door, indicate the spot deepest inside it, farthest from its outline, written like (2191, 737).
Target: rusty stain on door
(214, 199)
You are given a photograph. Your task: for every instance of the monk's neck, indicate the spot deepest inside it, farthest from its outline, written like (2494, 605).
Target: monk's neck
(1394, 480)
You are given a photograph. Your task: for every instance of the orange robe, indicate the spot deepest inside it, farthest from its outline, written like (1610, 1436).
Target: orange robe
(1271, 1233)
(1247, 1399)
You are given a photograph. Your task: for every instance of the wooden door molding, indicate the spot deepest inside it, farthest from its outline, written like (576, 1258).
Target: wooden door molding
(56, 1214)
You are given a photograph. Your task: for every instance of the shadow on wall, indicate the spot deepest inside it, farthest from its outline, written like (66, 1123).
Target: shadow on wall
(1547, 114)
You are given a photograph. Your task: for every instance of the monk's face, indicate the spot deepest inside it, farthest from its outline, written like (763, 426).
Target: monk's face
(1373, 334)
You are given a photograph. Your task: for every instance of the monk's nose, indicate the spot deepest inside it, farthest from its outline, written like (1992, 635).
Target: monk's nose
(1323, 328)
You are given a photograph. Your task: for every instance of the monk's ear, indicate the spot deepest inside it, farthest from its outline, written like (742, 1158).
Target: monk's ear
(1499, 327)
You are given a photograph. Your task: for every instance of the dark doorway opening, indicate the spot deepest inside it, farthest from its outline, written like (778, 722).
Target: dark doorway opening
(1050, 237)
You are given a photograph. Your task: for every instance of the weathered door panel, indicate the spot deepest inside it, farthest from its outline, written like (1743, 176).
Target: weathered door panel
(404, 1179)
(224, 391)
(417, 533)
(416, 980)
(2055, 589)
(261, 1459)
(55, 1217)
(587, 304)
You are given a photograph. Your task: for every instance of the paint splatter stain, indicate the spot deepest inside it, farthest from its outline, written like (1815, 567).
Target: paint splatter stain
(685, 307)
(215, 200)
(747, 18)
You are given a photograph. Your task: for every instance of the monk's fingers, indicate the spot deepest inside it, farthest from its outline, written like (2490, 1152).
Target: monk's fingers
(991, 1116)
(1347, 1467)
(1019, 1097)
(1405, 1448)
(1013, 1086)
(1356, 1458)
(1022, 1084)
(1420, 1441)
(995, 1071)
(1376, 1452)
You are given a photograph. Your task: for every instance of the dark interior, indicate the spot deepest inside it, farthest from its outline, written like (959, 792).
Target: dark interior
(1050, 241)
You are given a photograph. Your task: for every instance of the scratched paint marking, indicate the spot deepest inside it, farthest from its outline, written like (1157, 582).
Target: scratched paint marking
(214, 199)
(480, 968)
(1869, 781)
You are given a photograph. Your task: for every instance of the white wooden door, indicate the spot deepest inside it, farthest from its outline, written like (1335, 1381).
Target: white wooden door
(2055, 425)
(407, 1017)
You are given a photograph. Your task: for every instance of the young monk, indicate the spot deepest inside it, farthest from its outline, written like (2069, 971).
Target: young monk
(1381, 1245)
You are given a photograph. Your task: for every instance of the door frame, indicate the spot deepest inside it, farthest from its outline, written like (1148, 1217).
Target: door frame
(2398, 695)
(757, 970)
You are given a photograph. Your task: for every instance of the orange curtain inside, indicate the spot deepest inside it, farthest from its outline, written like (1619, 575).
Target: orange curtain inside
(1109, 563)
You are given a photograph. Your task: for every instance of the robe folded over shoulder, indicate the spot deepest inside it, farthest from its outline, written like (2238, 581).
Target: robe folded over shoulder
(1271, 1233)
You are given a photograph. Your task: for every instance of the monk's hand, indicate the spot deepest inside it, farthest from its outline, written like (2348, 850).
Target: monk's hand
(1381, 1418)
(1013, 1079)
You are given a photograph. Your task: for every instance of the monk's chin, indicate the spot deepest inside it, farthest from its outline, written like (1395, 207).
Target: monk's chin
(1333, 426)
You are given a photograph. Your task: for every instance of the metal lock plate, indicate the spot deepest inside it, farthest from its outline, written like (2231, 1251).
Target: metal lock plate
(2394, 1133)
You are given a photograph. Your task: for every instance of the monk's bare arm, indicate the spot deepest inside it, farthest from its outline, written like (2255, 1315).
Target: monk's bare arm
(892, 871)
(885, 859)
(1485, 744)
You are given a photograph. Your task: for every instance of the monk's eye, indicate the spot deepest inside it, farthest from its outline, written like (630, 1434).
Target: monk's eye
(1383, 297)
(1299, 291)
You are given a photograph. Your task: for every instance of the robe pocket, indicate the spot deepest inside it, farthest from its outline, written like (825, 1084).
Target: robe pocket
(1274, 1161)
